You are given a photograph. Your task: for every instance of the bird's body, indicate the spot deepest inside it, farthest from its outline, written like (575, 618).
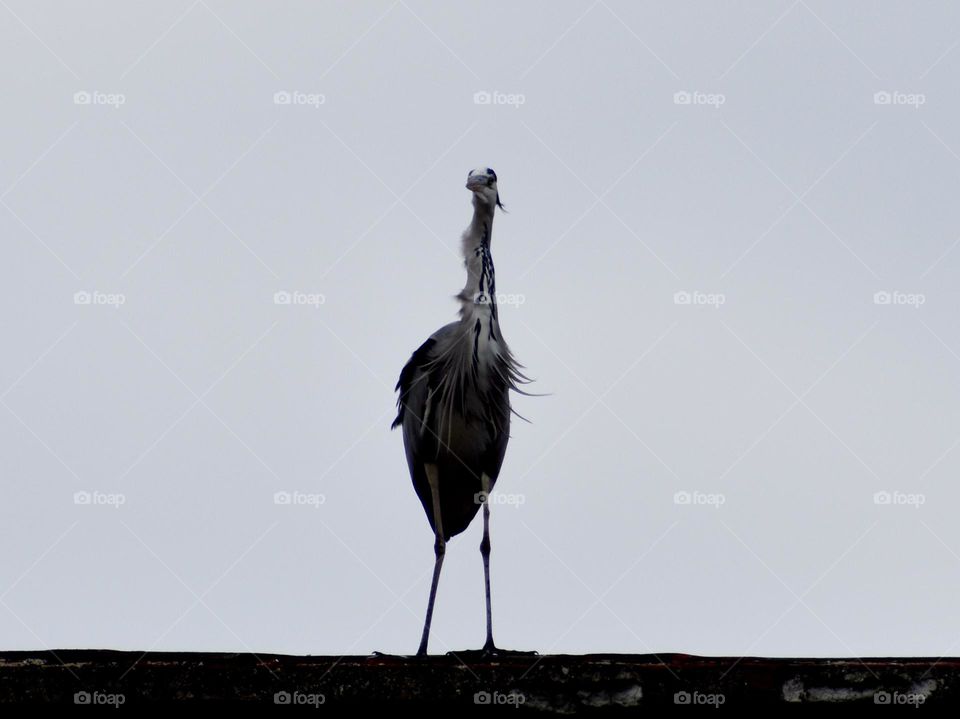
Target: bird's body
(461, 440)
(454, 404)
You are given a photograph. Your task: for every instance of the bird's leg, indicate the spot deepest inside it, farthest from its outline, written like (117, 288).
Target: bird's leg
(439, 548)
(488, 645)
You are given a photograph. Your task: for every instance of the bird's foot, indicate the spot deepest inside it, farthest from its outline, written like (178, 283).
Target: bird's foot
(388, 656)
(491, 651)
(497, 652)
(422, 649)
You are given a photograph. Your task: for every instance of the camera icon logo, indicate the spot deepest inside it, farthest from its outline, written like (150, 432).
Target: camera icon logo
(282, 98)
(682, 298)
(681, 698)
(282, 498)
(82, 698)
(482, 97)
(82, 497)
(82, 98)
(481, 698)
(682, 98)
(882, 98)
(282, 298)
(82, 298)
(883, 497)
(682, 497)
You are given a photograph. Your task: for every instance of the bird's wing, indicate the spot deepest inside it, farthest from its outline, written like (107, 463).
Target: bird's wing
(412, 384)
(414, 377)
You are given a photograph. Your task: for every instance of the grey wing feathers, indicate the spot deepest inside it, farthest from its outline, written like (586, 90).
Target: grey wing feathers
(411, 376)
(473, 444)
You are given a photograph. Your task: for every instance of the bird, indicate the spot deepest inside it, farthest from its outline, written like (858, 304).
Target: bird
(454, 403)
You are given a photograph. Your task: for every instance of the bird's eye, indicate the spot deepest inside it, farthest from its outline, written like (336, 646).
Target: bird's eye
(492, 173)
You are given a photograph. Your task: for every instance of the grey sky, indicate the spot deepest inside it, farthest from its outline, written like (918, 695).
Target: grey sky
(776, 164)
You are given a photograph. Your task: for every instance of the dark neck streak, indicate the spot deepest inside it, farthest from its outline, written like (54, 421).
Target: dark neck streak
(478, 297)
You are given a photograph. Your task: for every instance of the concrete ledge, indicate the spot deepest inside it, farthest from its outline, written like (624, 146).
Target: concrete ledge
(555, 683)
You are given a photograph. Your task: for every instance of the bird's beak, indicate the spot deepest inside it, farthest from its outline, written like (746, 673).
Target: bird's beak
(476, 182)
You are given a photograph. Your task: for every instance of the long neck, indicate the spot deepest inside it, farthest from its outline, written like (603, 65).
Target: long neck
(478, 297)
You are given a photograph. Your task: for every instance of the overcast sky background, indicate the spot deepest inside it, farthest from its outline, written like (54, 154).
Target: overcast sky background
(782, 197)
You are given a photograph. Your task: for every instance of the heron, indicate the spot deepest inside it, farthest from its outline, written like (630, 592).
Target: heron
(454, 403)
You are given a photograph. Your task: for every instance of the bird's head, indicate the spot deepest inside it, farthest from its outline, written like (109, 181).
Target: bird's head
(482, 182)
